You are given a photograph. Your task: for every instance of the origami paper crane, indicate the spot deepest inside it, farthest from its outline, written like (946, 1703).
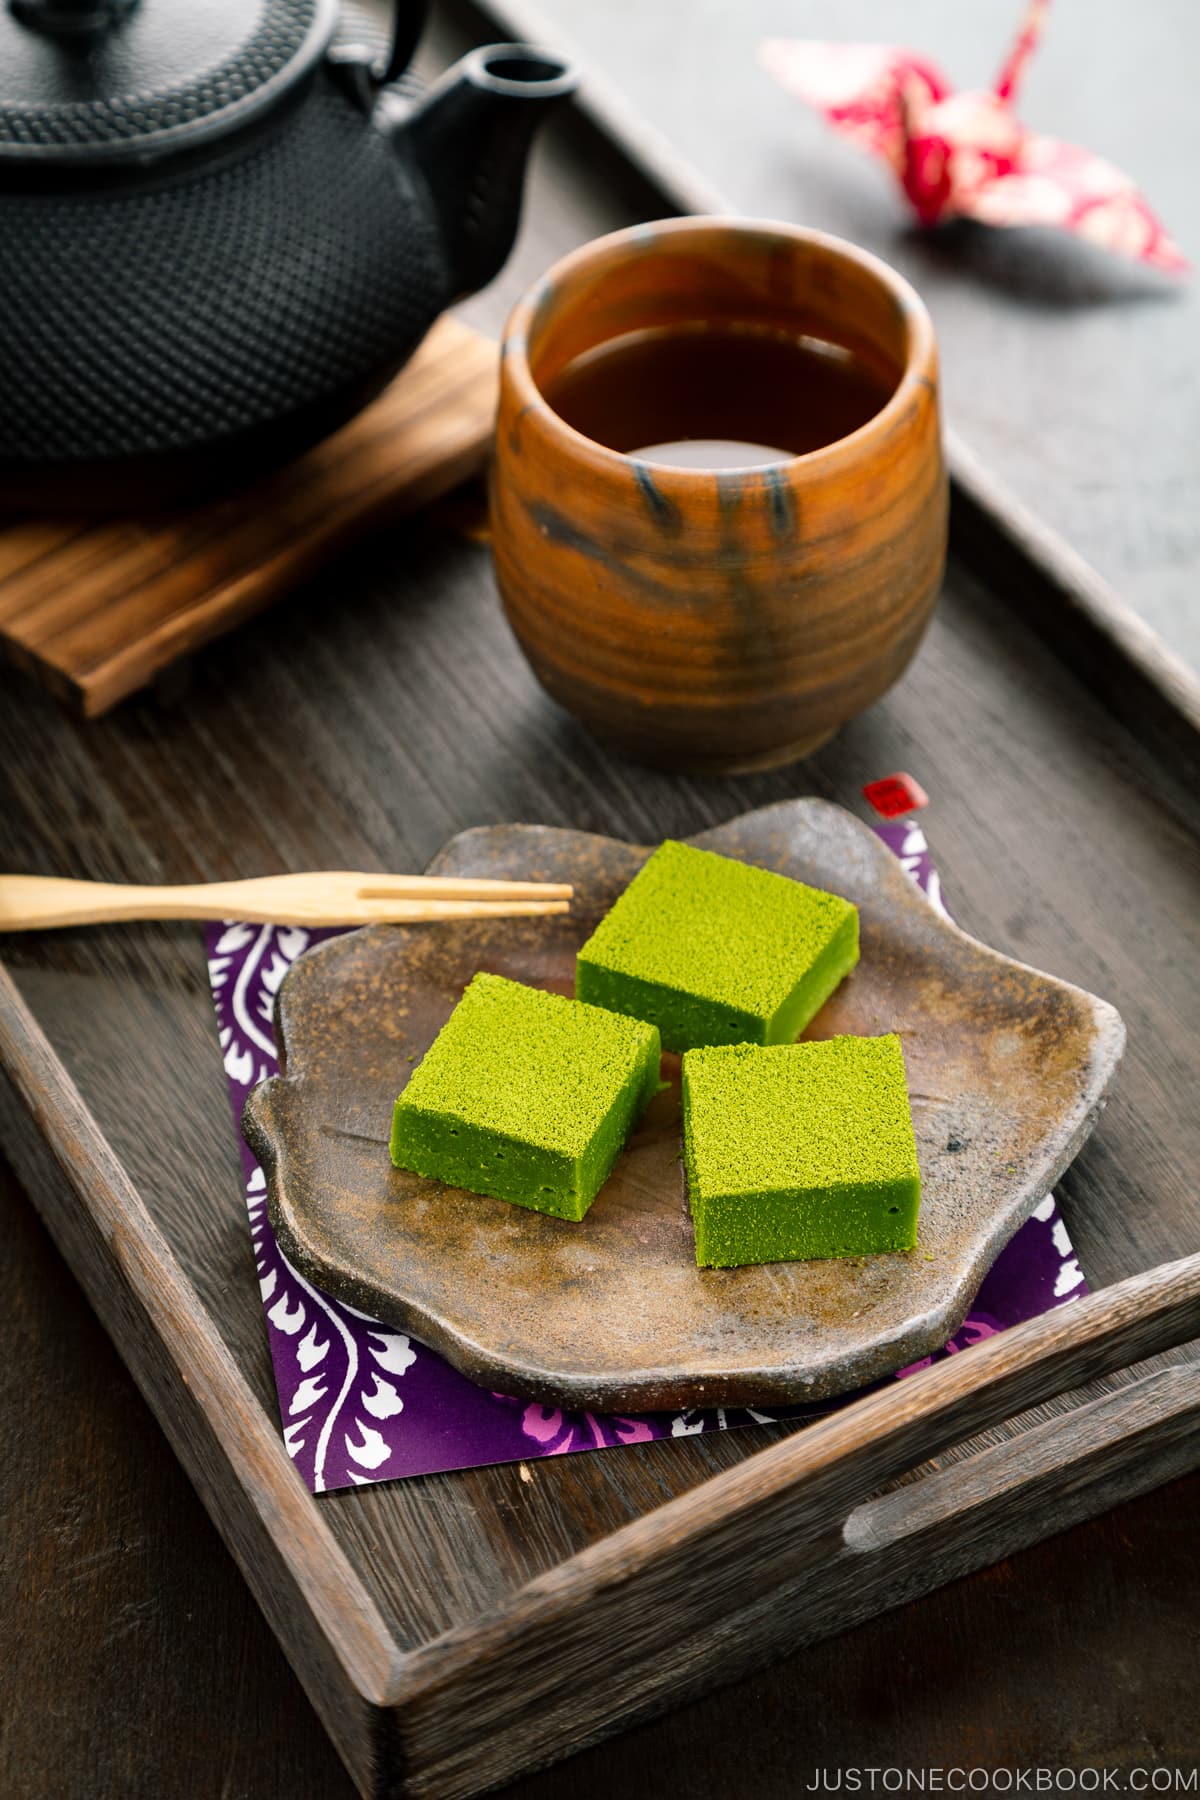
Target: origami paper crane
(967, 154)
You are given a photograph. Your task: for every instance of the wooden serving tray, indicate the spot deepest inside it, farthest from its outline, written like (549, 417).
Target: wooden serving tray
(781, 1550)
(97, 608)
(454, 1630)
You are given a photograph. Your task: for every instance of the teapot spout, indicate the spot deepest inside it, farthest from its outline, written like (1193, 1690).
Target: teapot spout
(470, 136)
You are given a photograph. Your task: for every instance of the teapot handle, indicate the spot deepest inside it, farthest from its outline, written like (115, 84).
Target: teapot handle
(362, 74)
(409, 18)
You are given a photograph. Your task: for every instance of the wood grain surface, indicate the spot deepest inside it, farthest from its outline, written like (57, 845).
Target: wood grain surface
(390, 710)
(96, 609)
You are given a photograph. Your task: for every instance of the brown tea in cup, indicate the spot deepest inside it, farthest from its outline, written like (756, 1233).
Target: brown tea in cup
(718, 493)
(702, 396)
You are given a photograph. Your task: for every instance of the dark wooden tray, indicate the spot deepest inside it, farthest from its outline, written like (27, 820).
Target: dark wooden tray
(454, 1630)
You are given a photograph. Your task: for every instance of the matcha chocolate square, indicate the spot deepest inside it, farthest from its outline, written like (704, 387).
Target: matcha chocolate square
(799, 1150)
(526, 1096)
(715, 951)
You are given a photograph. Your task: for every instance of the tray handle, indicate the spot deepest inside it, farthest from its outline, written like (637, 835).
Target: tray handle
(790, 1545)
(813, 1501)
(1145, 1430)
(807, 1503)
(892, 1430)
(828, 1472)
(1050, 1474)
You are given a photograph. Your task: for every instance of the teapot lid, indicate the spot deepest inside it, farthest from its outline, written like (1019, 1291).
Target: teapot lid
(98, 82)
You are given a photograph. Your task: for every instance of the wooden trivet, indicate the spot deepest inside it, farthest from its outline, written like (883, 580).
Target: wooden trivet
(97, 608)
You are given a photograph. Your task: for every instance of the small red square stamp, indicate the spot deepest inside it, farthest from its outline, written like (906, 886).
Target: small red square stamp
(892, 795)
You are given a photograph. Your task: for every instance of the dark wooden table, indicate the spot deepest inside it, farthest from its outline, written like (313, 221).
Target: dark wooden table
(391, 713)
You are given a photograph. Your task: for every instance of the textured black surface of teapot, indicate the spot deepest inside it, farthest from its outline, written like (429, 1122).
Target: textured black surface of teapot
(225, 225)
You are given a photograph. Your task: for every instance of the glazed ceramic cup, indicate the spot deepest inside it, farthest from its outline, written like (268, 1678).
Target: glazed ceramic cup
(719, 620)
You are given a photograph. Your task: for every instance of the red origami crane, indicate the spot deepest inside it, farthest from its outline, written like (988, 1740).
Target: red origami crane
(968, 154)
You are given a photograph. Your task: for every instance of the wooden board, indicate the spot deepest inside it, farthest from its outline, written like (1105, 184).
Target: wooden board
(98, 609)
(381, 712)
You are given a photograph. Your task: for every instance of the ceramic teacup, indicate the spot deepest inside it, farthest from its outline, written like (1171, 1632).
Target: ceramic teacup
(719, 619)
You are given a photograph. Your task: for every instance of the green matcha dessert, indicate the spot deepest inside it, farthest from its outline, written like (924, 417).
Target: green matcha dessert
(799, 1150)
(715, 951)
(526, 1096)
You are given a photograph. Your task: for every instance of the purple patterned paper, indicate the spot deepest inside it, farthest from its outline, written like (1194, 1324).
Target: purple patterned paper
(361, 1403)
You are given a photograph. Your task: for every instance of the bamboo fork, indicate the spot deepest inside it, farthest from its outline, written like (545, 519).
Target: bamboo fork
(328, 897)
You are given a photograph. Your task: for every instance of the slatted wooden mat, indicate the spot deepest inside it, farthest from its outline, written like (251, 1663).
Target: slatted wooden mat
(97, 609)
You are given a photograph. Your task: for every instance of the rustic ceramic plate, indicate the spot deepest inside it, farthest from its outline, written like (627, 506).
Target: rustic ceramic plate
(1007, 1067)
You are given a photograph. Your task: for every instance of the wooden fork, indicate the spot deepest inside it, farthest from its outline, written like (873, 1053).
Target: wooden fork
(328, 897)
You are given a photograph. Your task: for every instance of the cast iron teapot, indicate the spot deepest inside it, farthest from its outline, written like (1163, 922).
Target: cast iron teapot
(225, 224)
